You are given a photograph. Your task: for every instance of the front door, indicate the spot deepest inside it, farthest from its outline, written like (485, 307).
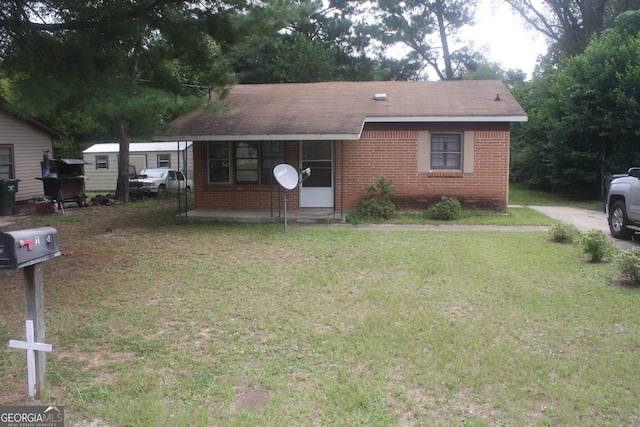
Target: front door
(317, 190)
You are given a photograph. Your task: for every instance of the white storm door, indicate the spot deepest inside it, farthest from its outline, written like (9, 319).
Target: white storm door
(317, 190)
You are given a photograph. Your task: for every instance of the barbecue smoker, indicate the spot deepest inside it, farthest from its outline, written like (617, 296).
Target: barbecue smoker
(63, 180)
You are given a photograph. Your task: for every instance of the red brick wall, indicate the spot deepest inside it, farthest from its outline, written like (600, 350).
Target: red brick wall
(393, 154)
(383, 150)
(216, 196)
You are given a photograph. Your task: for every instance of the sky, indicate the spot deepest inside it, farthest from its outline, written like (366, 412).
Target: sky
(506, 37)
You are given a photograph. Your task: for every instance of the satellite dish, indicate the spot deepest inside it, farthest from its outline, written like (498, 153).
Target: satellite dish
(286, 175)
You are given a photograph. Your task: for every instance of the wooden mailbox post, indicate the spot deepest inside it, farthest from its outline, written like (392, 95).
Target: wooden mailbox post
(27, 249)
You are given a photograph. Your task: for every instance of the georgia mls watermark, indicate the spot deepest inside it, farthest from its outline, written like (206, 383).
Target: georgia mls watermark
(31, 416)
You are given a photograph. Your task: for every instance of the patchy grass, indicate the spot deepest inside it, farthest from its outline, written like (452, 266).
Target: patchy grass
(158, 324)
(515, 216)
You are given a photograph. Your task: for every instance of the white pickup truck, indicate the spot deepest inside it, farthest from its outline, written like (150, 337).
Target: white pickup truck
(159, 181)
(623, 205)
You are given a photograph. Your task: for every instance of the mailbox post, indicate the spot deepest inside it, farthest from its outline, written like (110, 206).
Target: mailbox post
(27, 249)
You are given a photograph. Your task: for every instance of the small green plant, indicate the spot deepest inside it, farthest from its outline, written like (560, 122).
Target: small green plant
(563, 232)
(384, 186)
(447, 209)
(628, 264)
(379, 206)
(597, 245)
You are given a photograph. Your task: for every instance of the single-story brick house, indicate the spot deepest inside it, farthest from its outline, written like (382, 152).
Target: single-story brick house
(431, 139)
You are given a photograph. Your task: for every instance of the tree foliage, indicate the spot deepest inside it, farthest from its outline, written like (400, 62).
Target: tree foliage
(570, 24)
(429, 30)
(129, 66)
(583, 119)
(310, 41)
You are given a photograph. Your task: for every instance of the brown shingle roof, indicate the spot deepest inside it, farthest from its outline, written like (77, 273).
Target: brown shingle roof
(339, 110)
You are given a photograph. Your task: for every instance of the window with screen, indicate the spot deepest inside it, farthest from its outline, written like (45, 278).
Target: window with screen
(244, 162)
(446, 151)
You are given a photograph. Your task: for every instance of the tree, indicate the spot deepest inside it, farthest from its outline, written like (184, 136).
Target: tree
(307, 42)
(570, 24)
(130, 66)
(485, 70)
(583, 119)
(429, 29)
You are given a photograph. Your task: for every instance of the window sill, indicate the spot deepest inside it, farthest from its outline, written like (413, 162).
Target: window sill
(446, 173)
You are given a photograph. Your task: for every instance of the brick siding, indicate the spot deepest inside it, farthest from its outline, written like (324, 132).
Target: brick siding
(389, 151)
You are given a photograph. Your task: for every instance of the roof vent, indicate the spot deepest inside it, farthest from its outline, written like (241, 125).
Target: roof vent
(380, 97)
(498, 98)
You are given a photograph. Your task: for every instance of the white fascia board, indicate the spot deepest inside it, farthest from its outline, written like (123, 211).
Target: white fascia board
(140, 147)
(447, 119)
(293, 137)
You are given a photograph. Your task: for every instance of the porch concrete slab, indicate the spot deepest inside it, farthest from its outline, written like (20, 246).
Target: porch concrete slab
(301, 216)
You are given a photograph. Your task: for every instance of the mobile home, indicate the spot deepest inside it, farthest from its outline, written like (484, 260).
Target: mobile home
(101, 160)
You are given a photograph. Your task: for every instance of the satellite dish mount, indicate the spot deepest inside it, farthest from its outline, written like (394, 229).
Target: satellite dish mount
(288, 178)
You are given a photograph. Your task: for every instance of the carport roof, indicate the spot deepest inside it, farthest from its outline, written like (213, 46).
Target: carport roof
(339, 110)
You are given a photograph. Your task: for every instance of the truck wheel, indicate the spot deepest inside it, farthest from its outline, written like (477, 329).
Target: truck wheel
(618, 221)
(161, 190)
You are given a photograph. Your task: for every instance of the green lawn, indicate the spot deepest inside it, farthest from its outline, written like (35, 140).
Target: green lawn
(524, 196)
(157, 324)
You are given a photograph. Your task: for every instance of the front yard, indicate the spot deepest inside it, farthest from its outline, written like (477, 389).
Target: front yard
(157, 324)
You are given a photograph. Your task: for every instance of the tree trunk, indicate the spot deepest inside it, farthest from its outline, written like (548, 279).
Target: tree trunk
(122, 188)
(446, 55)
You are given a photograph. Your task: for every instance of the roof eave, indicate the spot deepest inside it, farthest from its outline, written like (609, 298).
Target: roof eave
(447, 119)
(291, 137)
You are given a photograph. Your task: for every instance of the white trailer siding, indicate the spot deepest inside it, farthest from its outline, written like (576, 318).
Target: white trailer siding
(27, 143)
(101, 160)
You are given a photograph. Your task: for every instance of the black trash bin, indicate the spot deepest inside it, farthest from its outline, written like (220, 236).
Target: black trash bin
(8, 190)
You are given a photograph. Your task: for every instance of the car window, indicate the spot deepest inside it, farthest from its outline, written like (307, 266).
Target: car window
(155, 174)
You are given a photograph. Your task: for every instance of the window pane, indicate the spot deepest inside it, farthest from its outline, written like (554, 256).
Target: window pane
(246, 170)
(316, 150)
(5, 172)
(102, 162)
(246, 150)
(218, 150)
(219, 161)
(273, 154)
(246, 162)
(446, 151)
(218, 171)
(6, 162)
(164, 160)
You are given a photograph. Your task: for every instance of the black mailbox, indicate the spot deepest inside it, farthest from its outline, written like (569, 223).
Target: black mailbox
(27, 247)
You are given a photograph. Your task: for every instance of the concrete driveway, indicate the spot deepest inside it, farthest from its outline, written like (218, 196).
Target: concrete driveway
(584, 220)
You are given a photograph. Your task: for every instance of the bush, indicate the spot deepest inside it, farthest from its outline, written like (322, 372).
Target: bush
(563, 232)
(377, 207)
(597, 245)
(447, 209)
(628, 264)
